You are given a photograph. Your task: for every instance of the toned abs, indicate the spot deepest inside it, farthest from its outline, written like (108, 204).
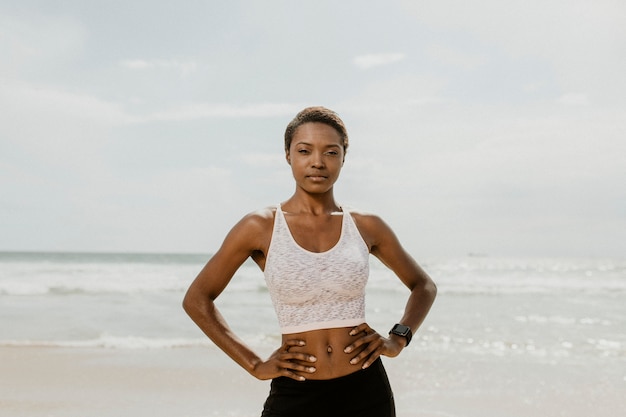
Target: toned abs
(327, 346)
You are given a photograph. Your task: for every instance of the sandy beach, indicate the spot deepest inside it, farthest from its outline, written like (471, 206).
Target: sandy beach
(68, 382)
(100, 382)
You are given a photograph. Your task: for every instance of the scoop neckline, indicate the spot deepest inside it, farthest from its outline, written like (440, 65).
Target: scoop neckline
(293, 239)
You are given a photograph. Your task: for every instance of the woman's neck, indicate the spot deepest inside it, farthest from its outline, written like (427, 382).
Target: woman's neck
(311, 203)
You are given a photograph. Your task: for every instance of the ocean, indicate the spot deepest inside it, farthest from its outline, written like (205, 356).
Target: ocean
(523, 327)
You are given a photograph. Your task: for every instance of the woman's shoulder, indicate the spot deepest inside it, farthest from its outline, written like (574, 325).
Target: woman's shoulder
(259, 218)
(363, 216)
(367, 221)
(374, 230)
(254, 229)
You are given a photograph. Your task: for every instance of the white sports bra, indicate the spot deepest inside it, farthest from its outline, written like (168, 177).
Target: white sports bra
(313, 290)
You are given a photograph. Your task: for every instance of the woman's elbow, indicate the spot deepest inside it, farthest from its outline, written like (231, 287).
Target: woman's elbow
(431, 288)
(190, 302)
(427, 288)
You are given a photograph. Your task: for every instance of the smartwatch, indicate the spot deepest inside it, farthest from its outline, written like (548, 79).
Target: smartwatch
(402, 330)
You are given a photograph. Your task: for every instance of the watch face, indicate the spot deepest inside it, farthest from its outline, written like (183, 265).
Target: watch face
(401, 330)
(404, 331)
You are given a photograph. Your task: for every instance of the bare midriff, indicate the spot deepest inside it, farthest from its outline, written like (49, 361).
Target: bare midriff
(327, 345)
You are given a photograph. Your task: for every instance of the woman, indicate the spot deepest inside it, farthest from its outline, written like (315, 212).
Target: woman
(314, 255)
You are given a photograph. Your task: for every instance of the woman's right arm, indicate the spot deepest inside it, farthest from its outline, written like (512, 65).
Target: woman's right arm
(248, 236)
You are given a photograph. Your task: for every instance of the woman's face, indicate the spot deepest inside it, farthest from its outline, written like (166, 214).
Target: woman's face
(316, 156)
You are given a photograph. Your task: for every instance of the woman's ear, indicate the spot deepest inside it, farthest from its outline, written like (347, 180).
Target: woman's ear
(288, 157)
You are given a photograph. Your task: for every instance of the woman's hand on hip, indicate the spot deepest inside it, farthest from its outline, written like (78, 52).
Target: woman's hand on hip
(282, 362)
(374, 345)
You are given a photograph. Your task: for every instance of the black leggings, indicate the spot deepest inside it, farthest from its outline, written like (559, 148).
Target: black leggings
(365, 393)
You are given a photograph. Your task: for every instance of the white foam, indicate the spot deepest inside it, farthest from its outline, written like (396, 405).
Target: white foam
(113, 342)
(34, 279)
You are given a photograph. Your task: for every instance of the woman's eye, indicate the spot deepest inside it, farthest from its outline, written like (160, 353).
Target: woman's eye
(303, 151)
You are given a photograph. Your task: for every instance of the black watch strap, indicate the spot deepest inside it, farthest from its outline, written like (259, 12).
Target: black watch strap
(402, 330)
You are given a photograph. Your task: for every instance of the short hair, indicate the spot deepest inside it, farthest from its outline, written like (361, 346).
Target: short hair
(317, 114)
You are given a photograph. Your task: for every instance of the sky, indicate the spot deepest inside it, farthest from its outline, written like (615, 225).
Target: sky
(494, 127)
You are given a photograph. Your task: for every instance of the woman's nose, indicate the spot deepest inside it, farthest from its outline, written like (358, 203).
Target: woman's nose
(317, 160)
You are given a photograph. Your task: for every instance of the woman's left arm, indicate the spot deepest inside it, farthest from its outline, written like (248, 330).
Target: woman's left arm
(386, 247)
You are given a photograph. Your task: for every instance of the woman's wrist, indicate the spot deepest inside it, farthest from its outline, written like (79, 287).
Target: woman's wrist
(402, 331)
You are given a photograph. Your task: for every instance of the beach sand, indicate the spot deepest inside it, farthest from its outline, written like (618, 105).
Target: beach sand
(202, 381)
(99, 382)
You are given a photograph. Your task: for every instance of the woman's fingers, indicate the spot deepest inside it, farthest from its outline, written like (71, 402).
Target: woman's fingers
(290, 365)
(366, 336)
(361, 328)
(373, 345)
(293, 364)
(295, 370)
(291, 343)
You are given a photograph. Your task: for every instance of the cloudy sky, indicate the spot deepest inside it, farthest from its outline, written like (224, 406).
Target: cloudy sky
(493, 127)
